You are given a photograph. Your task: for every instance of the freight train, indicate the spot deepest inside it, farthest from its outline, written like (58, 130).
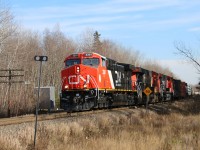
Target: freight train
(90, 80)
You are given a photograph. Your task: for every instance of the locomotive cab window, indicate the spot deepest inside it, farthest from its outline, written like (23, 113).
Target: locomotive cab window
(91, 62)
(72, 62)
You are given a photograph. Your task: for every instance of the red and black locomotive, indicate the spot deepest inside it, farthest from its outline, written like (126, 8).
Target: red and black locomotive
(90, 80)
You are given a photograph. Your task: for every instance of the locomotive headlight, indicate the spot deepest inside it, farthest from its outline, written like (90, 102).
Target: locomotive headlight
(85, 86)
(77, 69)
(66, 86)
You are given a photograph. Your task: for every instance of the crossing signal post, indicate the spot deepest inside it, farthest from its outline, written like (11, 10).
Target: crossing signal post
(40, 59)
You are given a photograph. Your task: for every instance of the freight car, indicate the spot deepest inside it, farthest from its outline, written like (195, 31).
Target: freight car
(90, 80)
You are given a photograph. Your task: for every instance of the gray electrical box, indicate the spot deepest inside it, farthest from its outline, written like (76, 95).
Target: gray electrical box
(47, 97)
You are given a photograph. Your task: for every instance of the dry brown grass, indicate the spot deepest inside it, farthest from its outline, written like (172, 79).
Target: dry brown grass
(173, 126)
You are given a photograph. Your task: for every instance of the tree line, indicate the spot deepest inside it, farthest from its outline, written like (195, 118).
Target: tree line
(18, 47)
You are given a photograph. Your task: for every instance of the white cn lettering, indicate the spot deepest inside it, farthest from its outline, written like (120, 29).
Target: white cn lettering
(118, 80)
(73, 79)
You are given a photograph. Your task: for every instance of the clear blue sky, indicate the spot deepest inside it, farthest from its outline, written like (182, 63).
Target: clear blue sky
(150, 26)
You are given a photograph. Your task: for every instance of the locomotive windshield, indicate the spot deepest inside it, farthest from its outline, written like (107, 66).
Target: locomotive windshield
(91, 62)
(72, 62)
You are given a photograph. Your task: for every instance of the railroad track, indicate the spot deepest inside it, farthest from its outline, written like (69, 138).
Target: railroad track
(50, 116)
(61, 114)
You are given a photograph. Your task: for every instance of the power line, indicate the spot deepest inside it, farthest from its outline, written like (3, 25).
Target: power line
(10, 75)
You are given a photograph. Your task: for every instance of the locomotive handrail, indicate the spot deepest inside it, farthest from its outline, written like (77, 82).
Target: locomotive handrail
(97, 89)
(63, 79)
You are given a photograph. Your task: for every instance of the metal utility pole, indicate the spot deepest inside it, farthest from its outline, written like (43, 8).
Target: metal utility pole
(10, 74)
(41, 59)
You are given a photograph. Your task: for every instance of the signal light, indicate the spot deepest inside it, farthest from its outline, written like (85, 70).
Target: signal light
(40, 58)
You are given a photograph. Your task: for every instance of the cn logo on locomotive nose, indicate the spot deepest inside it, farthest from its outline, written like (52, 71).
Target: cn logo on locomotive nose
(74, 79)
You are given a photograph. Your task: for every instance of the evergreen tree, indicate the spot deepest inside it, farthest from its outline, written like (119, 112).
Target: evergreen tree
(97, 45)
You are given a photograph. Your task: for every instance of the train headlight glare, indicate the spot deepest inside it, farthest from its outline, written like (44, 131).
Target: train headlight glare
(66, 86)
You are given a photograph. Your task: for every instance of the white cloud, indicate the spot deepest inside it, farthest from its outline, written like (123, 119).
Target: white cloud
(118, 14)
(108, 8)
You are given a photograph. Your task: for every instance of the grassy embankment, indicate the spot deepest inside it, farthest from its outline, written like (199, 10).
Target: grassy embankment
(165, 127)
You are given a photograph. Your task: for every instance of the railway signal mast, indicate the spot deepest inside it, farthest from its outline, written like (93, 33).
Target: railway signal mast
(40, 59)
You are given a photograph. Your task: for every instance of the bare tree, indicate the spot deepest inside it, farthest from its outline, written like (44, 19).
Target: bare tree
(85, 41)
(56, 46)
(189, 54)
(7, 25)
